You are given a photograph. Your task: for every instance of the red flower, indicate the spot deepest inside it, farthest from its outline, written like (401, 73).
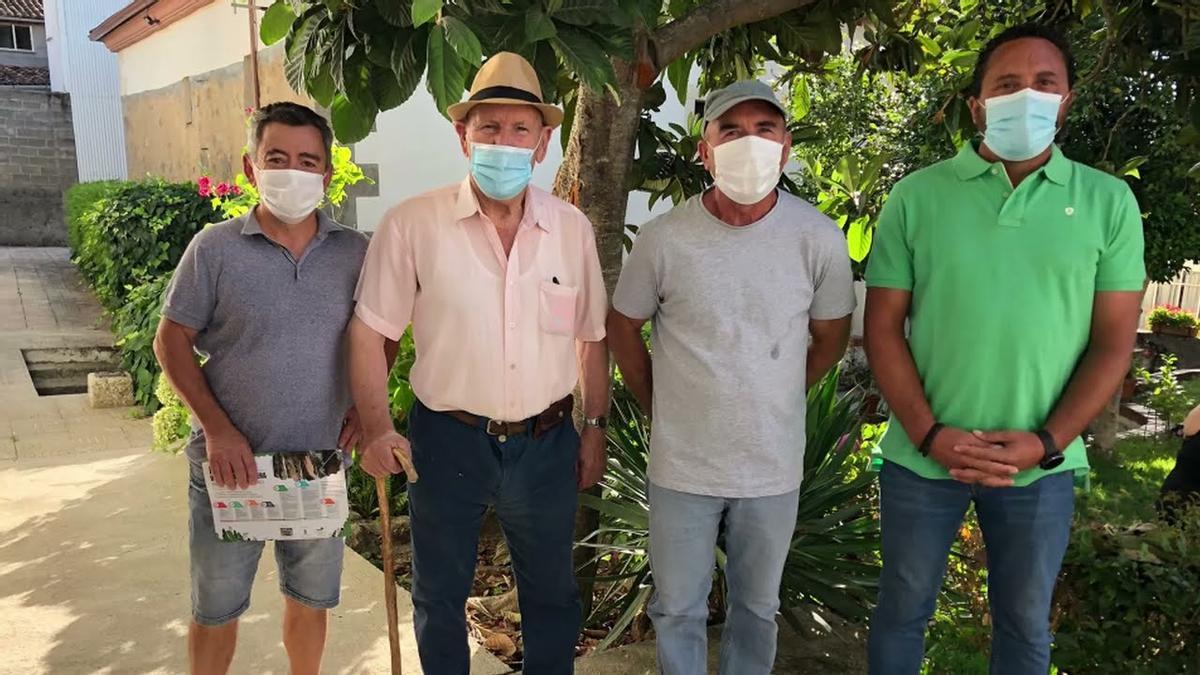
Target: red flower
(223, 190)
(249, 111)
(236, 190)
(205, 186)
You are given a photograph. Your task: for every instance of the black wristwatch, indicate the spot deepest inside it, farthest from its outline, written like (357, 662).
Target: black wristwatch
(1053, 457)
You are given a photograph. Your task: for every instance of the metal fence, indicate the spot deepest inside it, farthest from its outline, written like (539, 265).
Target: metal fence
(1182, 291)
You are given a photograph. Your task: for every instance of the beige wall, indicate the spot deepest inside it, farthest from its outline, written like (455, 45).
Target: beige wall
(198, 124)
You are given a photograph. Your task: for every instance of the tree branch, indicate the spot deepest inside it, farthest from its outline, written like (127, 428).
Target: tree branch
(692, 29)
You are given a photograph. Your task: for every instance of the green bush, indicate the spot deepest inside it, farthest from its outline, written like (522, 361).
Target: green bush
(1126, 602)
(78, 200)
(135, 322)
(136, 234)
(172, 421)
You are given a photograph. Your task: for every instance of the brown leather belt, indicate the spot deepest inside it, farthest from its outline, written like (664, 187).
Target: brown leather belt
(541, 423)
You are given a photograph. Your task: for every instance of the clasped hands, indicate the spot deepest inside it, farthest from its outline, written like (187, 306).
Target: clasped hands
(988, 458)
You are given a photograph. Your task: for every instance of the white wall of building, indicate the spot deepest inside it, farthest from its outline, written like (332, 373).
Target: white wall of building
(209, 38)
(88, 72)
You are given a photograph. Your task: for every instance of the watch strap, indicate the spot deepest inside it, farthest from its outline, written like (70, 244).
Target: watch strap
(930, 436)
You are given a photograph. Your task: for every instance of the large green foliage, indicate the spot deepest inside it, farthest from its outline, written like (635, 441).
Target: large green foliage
(834, 551)
(79, 200)
(137, 233)
(1126, 602)
(135, 323)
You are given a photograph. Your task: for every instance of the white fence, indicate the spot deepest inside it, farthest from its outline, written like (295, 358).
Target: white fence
(1182, 291)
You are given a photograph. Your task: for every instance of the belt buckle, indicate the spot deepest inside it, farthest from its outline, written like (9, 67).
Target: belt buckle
(495, 428)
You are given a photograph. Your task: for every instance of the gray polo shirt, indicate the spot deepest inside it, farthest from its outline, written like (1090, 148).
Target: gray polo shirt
(731, 307)
(272, 328)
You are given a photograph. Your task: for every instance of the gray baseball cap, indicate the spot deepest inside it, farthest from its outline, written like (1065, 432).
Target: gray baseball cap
(719, 102)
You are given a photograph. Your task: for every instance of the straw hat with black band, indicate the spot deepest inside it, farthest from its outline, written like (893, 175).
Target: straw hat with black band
(506, 78)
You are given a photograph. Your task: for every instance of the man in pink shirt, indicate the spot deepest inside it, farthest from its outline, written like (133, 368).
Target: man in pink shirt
(502, 286)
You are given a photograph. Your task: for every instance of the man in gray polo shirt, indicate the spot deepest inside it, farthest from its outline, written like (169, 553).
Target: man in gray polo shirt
(750, 293)
(265, 298)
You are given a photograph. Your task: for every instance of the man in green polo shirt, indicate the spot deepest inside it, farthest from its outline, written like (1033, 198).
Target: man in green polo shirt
(1020, 274)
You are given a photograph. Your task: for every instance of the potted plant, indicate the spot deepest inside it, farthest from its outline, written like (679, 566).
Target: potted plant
(1168, 320)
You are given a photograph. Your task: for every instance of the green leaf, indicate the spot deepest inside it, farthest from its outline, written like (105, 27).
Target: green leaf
(538, 26)
(408, 60)
(583, 56)
(858, 238)
(463, 40)
(447, 77)
(351, 121)
(801, 99)
(423, 11)
(296, 63)
(386, 88)
(588, 12)
(321, 87)
(276, 23)
(337, 57)
(930, 45)
(396, 12)
(679, 74)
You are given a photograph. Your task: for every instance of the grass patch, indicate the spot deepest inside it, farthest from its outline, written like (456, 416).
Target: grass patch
(1126, 484)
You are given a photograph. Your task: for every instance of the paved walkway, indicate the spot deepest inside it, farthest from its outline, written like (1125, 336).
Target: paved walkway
(93, 539)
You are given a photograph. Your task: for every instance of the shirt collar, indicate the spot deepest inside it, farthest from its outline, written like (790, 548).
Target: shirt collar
(968, 164)
(325, 225)
(466, 205)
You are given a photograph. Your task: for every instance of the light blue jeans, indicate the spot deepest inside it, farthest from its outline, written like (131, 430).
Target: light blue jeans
(683, 540)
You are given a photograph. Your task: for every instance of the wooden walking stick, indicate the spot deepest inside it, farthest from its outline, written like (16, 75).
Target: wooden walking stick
(389, 569)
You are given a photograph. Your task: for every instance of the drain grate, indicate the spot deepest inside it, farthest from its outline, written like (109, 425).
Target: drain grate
(64, 370)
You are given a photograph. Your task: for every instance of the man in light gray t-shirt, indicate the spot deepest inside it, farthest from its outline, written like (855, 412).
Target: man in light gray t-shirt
(750, 293)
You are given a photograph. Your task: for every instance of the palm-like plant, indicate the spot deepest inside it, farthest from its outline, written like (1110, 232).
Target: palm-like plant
(834, 551)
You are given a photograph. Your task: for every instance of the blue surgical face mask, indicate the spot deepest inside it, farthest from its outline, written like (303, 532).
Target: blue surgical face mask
(501, 171)
(1021, 126)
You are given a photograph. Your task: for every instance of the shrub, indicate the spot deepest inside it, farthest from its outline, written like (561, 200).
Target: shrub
(1167, 397)
(80, 199)
(137, 234)
(1168, 317)
(1126, 602)
(172, 421)
(135, 323)
(834, 560)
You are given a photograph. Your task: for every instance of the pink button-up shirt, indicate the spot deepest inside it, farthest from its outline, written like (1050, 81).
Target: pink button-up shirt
(495, 335)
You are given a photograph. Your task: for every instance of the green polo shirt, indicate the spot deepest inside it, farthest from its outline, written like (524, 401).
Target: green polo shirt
(1002, 285)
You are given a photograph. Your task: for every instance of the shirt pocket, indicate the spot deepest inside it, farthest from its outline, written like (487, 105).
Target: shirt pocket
(556, 311)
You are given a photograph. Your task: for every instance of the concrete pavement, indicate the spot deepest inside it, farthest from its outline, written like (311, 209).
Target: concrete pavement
(93, 527)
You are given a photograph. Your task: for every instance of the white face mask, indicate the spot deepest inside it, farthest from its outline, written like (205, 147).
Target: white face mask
(290, 195)
(748, 169)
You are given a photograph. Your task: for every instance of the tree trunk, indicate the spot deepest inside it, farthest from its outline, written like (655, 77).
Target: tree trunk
(1107, 425)
(595, 171)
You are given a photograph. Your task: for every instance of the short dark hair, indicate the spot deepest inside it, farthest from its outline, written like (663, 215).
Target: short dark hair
(293, 115)
(1025, 30)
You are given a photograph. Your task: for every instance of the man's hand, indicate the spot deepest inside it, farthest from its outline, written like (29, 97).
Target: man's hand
(591, 463)
(388, 453)
(352, 431)
(948, 450)
(230, 459)
(1019, 450)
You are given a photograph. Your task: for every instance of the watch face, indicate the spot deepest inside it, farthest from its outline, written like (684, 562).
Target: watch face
(1053, 461)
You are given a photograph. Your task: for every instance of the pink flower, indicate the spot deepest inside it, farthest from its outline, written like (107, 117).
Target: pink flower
(223, 190)
(236, 190)
(249, 111)
(205, 185)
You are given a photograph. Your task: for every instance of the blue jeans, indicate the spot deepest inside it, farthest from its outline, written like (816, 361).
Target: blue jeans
(531, 484)
(683, 540)
(1025, 530)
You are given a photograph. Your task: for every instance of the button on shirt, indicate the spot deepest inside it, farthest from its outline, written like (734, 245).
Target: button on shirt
(1003, 282)
(495, 335)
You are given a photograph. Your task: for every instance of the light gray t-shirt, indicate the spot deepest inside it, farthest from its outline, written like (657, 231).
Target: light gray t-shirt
(730, 309)
(272, 328)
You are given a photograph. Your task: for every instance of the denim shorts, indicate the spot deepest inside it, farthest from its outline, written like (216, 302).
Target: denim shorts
(310, 570)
